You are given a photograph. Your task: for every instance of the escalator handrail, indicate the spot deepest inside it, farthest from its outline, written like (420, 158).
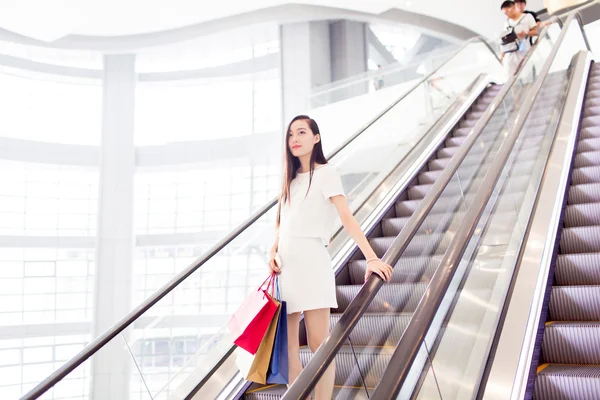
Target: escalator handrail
(104, 338)
(320, 361)
(400, 363)
(565, 11)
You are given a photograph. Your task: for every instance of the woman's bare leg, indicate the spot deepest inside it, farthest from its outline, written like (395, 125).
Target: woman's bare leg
(317, 329)
(295, 366)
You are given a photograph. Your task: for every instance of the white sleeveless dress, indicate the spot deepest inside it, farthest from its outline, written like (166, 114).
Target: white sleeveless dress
(307, 280)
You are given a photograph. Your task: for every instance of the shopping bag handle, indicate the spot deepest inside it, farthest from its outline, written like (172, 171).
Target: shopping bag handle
(270, 285)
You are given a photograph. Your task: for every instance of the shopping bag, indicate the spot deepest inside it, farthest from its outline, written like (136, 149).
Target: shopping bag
(260, 365)
(278, 366)
(250, 322)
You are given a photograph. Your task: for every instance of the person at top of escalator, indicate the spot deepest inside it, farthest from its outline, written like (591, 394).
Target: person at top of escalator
(311, 198)
(515, 44)
(522, 5)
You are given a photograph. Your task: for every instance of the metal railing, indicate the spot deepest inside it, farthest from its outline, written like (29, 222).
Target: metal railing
(414, 335)
(321, 360)
(99, 342)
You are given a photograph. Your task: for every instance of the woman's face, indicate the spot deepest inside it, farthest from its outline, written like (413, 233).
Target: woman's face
(301, 140)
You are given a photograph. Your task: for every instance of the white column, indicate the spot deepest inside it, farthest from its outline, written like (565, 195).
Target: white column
(349, 55)
(305, 64)
(111, 367)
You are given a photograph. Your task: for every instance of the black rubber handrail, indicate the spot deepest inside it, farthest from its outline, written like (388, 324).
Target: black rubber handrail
(310, 375)
(133, 315)
(413, 337)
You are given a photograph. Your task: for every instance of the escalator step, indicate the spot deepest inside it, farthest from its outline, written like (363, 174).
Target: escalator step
(586, 145)
(406, 208)
(429, 177)
(455, 141)
(590, 111)
(566, 382)
(586, 214)
(392, 297)
(590, 133)
(393, 226)
(276, 392)
(372, 362)
(589, 122)
(572, 343)
(578, 269)
(585, 175)
(421, 244)
(447, 152)
(583, 239)
(575, 303)
(462, 132)
(592, 102)
(377, 329)
(584, 193)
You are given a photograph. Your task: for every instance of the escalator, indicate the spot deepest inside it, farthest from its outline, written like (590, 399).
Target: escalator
(414, 230)
(570, 364)
(431, 197)
(392, 309)
(361, 362)
(120, 362)
(489, 207)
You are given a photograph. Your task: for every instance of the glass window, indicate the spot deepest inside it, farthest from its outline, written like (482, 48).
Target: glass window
(49, 108)
(47, 200)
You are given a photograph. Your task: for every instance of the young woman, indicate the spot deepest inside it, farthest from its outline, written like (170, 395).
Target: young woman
(311, 198)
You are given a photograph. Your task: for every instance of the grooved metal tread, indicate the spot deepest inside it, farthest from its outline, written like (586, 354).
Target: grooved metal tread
(571, 341)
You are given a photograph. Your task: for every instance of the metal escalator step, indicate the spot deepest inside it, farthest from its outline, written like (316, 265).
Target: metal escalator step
(572, 342)
(586, 145)
(421, 244)
(462, 132)
(593, 85)
(578, 269)
(406, 270)
(481, 105)
(447, 152)
(377, 329)
(474, 115)
(372, 362)
(575, 303)
(589, 122)
(276, 392)
(393, 226)
(588, 159)
(418, 191)
(591, 111)
(428, 177)
(582, 239)
(406, 208)
(593, 93)
(584, 193)
(392, 297)
(592, 101)
(439, 164)
(568, 382)
(467, 123)
(590, 133)
(586, 214)
(455, 141)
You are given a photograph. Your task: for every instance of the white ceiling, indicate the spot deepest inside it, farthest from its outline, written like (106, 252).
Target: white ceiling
(50, 20)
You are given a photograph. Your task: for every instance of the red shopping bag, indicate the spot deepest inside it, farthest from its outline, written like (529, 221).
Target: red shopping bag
(250, 322)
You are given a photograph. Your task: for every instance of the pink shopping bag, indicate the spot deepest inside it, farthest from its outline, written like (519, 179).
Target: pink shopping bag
(250, 322)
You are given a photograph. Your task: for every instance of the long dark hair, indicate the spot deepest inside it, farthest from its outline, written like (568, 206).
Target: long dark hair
(292, 164)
